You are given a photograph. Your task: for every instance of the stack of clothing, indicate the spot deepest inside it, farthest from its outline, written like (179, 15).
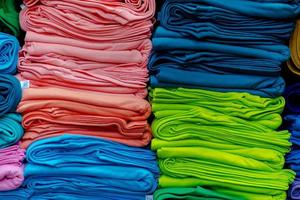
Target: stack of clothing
(81, 167)
(85, 65)
(216, 97)
(232, 48)
(99, 46)
(292, 122)
(201, 135)
(11, 130)
(11, 168)
(85, 62)
(48, 112)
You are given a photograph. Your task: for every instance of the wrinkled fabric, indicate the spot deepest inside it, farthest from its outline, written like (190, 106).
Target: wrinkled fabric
(88, 150)
(166, 75)
(9, 17)
(232, 22)
(213, 61)
(49, 112)
(11, 168)
(99, 46)
(226, 118)
(9, 49)
(198, 193)
(216, 94)
(292, 122)
(222, 46)
(68, 63)
(194, 166)
(292, 94)
(102, 20)
(257, 85)
(11, 130)
(10, 93)
(265, 111)
(294, 192)
(105, 168)
(17, 194)
(201, 135)
(294, 62)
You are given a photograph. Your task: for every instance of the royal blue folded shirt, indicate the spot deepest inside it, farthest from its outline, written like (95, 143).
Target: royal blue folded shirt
(9, 49)
(78, 166)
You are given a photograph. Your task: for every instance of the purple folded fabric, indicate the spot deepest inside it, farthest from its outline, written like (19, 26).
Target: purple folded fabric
(11, 168)
(294, 192)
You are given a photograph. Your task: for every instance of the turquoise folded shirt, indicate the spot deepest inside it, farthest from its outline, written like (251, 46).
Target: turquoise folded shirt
(11, 130)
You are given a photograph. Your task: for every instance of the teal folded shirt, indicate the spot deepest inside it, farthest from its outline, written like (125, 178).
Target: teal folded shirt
(10, 93)
(11, 130)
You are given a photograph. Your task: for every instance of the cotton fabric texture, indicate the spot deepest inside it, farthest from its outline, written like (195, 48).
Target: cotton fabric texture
(11, 130)
(232, 48)
(107, 169)
(292, 98)
(294, 62)
(49, 112)
(294, 190)
(10, 93)
(9, 17)
(9, 49)
(247, 21)
(216, 94)
(197, 193)
(227, 118)
(17, 194)
(11, 167)
(111, 58)
(292, 123)
(197, 166)
(109, 67)
(102, 20)
(200, 135)
(86, 65)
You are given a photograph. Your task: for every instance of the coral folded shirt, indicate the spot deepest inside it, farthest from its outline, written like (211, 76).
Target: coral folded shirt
(52, 111)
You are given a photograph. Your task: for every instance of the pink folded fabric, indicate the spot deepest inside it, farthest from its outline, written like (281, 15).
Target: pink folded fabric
(11, 168)
(105, 67)
(52, 111)
(30, 2)
(115, 11)
(87, 66)
(91, 20)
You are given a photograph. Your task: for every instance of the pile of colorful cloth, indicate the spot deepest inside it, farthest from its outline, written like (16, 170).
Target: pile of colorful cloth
(216, 97)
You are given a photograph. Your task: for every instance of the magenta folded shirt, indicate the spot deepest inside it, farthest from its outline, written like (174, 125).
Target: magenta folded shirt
(11, 167)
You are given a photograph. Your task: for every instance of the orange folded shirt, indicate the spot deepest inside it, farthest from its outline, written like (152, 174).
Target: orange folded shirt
(50, 112)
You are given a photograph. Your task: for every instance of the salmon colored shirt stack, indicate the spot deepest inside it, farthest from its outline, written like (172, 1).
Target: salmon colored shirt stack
(83, 71)
(86, 62)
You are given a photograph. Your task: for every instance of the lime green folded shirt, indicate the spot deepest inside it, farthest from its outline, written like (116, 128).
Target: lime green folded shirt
(197, 193)
(200, 193)
(264, 111)
(197, 166)
(204, 124)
